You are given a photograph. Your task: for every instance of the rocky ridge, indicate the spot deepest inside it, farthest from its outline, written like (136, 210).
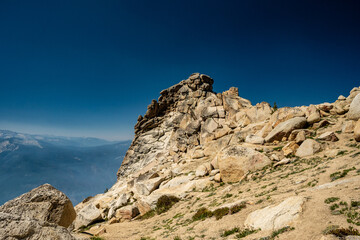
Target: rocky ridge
(192, 139)
(215, 157)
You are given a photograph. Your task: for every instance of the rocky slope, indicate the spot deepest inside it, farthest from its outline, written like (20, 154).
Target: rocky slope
(201, 153)
(206, 165)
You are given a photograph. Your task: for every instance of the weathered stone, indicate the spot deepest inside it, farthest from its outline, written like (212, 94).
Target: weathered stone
(127, 212)
(357, 131)
(348, 127)
(44, 203)
(354, 111)
(44, 211)
(217, 177)
(148, 186)
(235, 161)
(201, 171)
(328, 136)
(276, 217)
(300, 137)
(290, 148)
(87, 215)
(282, 162)
(307, 148)
(284, 129)
(122, 200)
(15, 227)
(254, 139)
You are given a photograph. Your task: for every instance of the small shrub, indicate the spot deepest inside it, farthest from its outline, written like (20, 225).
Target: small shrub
(246, 232)
(148, 215)
(336, 175)
(334, 206)
(164, 203)
(331, 199)
(96, 238)
(220, 212)
(177, 238)
(201, 214)
(228, 195)
(355, 203)
(237, 208)
(230, 232)
(343, 232)
(280, 231)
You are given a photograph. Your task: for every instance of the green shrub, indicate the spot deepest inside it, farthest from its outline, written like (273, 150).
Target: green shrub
(164, 203)
(201, 214)
(343, 232)
(237, 208)
(280, 231)
(246, 232)
(220, 212)
(148, 215)
(230, 232)
(331, 199)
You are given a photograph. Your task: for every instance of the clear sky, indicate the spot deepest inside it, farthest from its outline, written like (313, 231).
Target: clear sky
(89, 68)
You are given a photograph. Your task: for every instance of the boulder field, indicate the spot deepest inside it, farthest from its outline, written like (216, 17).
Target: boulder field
(206, 165)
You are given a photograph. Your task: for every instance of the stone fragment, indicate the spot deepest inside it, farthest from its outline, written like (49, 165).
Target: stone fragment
(254, 139)
(328, 136)
(285, 128)
(307, 148)
(235, 161)
(290, 148)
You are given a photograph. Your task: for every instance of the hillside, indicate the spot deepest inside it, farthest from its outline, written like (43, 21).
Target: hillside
(206, 165)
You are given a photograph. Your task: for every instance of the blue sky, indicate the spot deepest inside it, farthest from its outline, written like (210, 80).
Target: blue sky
(89, 68)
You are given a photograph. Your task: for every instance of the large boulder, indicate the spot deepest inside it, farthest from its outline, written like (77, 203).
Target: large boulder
(87, 215)
(285, 128)
(235, 161)
(276, 217)
(16, 227)
(354, 111)
(307, 148)
(357, 131)
(44, 203)
(42, 213)
(148, 186)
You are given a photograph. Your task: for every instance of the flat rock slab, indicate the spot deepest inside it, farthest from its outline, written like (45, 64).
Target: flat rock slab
(276, 217)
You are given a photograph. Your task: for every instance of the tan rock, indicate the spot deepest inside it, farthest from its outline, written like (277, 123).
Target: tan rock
(290, 148)
(217, 177)
(44, 203)
(254, 139)
(300, 137)
(143, 207)
(235, 160)
(285, 128)
(354, 111)
(276, 217)
(357, 131)
(127, 212)
(348, 127)
(328, 136)
(307, 148)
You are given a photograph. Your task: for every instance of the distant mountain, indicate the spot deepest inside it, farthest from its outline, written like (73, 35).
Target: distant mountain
(79, 167)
